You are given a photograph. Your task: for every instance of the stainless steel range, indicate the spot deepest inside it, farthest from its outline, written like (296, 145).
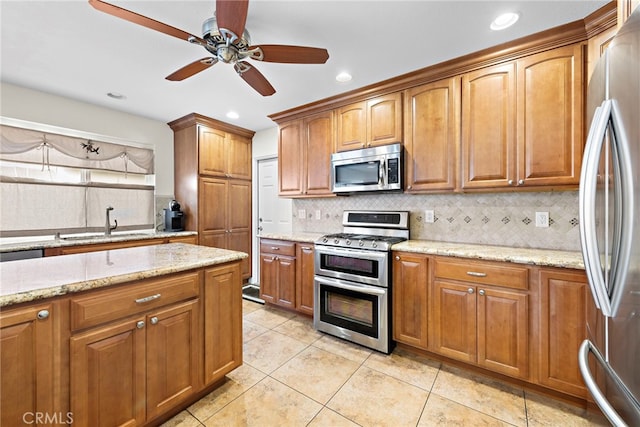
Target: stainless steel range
(352, 282)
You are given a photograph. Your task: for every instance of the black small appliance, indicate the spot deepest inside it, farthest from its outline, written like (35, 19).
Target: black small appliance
(173, 217)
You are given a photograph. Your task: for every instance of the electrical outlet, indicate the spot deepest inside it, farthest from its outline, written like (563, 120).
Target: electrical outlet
(318, 214)
(542, 219)
(429, 216)
(302, 214)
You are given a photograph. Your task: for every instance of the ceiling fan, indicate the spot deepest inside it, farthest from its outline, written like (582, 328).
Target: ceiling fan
(225, 37)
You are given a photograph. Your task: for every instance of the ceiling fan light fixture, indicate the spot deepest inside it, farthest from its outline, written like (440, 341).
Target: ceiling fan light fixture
(504, 20)
(343, 77)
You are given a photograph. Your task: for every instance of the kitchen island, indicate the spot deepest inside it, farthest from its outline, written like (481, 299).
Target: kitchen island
(121, 336)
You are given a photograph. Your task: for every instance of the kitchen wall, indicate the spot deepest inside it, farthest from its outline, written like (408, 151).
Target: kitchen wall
(21, 103)
(504, 219)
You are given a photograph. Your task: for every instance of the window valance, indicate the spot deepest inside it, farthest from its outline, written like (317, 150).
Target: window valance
(32, 146)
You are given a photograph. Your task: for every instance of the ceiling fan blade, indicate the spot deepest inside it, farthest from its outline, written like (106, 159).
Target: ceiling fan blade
(255, 78)
(232, 15)
(191, 69)
(136, 18)
(290, 54)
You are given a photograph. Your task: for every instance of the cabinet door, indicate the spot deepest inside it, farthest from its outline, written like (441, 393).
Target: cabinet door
(212, 151)
(238, 157)
(410, 299)
(454, 320)
(351, 126)
(212, 212)
(290, 158)
(108, 375)
(239, 221)
(286, 281)
(431, 136)
(563, 315)
(268, 277)
(27, 357)
(550, 99)
(304, 278)
(384, 120)
(172, 356)
(503, 331)
(222, 307)
(489, 127)
(318, 143)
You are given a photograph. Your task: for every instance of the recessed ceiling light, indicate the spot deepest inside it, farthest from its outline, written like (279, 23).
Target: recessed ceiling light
(233, 115)
(343, 77)
(504, 21)
(116, 95)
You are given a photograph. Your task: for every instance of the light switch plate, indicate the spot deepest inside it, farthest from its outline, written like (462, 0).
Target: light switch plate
(429, 216)
(542, 219)
(302, 214)
(318, 214)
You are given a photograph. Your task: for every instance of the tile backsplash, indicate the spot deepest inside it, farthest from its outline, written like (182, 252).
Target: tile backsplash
(503, 219)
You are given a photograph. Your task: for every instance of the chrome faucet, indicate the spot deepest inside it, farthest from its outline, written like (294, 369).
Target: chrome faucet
(107, 225)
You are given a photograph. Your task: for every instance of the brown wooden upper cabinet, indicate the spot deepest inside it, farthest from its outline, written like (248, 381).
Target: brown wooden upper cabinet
(377, 121)
(223, 154)
(304, 154)
(522, 122)
(432, 118)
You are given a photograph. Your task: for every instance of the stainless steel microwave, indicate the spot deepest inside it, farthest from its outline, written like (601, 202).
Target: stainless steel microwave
(367, 169)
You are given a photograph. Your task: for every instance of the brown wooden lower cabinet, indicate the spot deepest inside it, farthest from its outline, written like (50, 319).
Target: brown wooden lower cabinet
(94, 247)
(410, 299)
(129, 354)
(286, 274)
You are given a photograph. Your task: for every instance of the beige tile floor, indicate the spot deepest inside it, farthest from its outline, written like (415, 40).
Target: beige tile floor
(295, 376)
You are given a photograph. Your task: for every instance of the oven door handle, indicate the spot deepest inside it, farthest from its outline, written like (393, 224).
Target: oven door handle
(363, 253)
(370, 290)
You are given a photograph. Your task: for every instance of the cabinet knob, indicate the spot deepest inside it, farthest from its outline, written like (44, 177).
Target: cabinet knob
(43, 314)
(510, 182)
(154, 320)
(397, 258)
(481, 292)
(140, 324)
(470, 290)
(520, 181)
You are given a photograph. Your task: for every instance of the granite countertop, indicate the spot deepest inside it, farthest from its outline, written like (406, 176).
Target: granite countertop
(34, 279)
(293, 237)
(542, 257)
(24, 244)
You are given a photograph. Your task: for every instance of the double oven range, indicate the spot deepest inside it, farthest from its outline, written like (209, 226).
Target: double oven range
(352, 280)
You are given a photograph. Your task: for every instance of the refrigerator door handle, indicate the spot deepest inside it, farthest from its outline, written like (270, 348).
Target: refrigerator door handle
(587, 201)
(585, 348)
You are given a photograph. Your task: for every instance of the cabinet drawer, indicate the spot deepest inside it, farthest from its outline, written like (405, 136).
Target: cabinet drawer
(279, 247)
(122, 301)
(499, 274)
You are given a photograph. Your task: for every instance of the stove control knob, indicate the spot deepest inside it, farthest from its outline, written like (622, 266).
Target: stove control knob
(325, 240)
(374, 244)
(348, 242)
(360, 243)
(336, 241)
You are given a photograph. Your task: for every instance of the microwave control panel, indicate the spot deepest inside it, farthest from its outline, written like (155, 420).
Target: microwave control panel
(392, 171)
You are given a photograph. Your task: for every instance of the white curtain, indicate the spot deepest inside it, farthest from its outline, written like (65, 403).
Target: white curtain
(31, 146)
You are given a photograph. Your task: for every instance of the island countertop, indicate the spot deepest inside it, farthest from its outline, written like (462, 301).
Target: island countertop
(34, 279)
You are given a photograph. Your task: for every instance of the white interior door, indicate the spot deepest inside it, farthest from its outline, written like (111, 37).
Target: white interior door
(274, 213)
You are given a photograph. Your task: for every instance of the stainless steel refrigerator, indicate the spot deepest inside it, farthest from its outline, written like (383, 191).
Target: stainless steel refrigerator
(610, 228)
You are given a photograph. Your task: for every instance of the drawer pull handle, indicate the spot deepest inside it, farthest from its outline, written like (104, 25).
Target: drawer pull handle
(476, 274)
(147, 299)
(275, 248)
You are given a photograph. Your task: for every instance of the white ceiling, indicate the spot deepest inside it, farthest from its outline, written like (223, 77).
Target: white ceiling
(68, 48)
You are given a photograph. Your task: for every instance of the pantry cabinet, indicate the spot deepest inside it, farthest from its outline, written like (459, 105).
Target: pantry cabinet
(278, 272)
(522, 122)
(432, 117)
(304, 156)
(565, 299)
(377, 121)
(410, 299)
(212, 180)
(481, 314)
(31, 365)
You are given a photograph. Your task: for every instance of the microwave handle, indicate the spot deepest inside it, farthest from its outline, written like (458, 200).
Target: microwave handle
(382, 173)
